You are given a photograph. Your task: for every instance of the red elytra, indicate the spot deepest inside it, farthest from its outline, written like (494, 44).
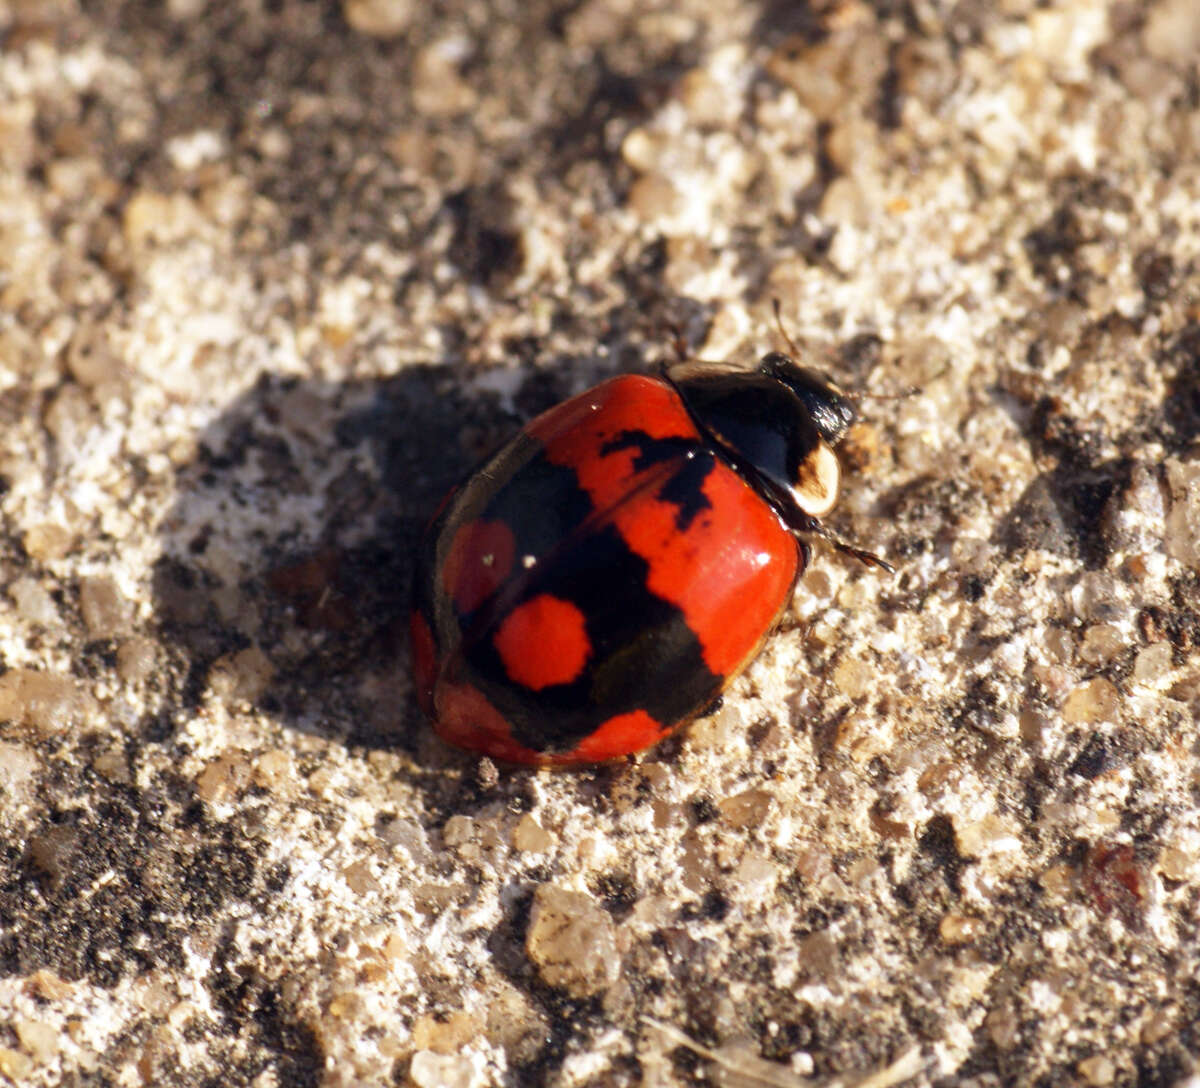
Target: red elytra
(602, 577)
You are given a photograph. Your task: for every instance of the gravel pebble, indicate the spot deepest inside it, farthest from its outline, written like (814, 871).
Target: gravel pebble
(34, 604)
(51, 703)
(379, 18)
(105, 610)
(572, 942)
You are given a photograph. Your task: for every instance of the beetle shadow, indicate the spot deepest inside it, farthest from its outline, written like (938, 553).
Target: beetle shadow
(1061, 510)
(287, 559)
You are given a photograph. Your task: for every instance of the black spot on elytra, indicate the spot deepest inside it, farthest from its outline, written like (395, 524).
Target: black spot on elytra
(684, 489)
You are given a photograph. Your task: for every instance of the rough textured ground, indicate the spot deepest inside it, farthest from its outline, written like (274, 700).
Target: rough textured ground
(274, 272)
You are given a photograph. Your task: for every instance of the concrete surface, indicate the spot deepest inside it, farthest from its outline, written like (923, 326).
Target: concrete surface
(273, 273)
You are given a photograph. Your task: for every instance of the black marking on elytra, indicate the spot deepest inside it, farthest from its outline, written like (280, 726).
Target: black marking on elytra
(685, 488)
(538, 526)
(762, 426)
(645, 657)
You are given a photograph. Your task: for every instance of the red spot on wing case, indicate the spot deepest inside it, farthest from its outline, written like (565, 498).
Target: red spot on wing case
(543, 642)
(620, 736)
(477, 563)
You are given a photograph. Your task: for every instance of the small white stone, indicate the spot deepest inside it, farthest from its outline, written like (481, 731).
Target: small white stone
(378, 18)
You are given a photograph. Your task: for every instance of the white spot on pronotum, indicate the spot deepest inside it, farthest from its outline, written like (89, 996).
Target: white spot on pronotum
(816, 487)
(488, 560)
(528, 561)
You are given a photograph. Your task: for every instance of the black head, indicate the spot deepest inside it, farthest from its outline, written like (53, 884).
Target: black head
(777, 424)
(829, 407)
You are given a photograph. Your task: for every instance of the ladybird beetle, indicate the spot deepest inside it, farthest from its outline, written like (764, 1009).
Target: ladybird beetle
(601, 578)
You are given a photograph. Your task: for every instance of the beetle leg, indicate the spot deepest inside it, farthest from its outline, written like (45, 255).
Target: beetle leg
(808, 524)
(678, 342)
(870, 559)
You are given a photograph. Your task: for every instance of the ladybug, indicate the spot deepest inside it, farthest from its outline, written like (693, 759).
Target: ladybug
(601, 578)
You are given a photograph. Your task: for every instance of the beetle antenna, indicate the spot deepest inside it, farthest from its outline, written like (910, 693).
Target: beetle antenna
(782, 331)
(850, 394)
(911, 391)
